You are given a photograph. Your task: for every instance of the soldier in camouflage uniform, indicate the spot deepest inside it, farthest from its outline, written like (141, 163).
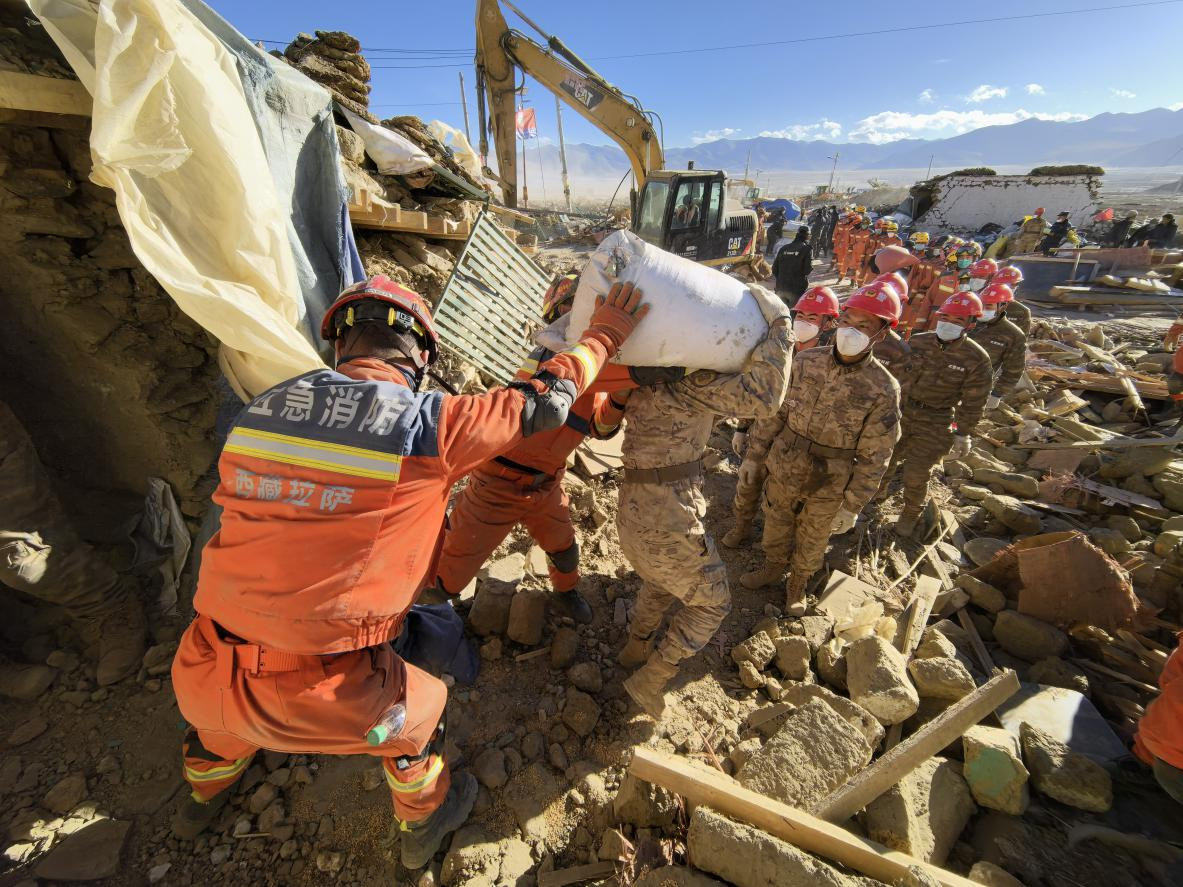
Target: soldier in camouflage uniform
(1016, 312)
(945, 377)
(662, 503)
(825, 450)
(1004, 342)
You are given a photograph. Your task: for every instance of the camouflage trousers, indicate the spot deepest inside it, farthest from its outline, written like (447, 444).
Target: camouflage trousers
(800, 504)
(747, 498)
(925, 441)
(662, 535)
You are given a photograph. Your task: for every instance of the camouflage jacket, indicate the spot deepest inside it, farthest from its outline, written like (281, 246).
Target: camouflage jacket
(670, 424)
(1020, 315)
(852, 407)
(949, 381)
(1007, 346)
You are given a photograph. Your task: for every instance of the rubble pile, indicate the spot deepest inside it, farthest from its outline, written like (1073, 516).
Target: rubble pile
(334, 60)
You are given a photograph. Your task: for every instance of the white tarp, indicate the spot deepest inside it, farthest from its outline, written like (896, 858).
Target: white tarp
(207, 209)
(394, 154)
(698, 317)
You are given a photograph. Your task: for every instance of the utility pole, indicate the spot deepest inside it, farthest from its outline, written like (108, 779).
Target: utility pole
(525, 184)
(746, 164)
(563, 154)
(928, 175)
(833, 169)
(464, 105)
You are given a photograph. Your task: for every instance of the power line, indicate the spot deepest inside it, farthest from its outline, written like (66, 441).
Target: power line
(409, 105)
(416, 67)
(900, 30)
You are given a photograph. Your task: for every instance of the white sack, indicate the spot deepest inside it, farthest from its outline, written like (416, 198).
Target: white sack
(393, 153)
(698, 318)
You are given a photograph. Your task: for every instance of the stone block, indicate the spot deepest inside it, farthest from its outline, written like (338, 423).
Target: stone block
(1055, 672)
(581, 713)
(750, 676)
(1064, 775)
(527, 616)
(877, 676)
(831, 663)
(994, 769)
(643, 804)
(564, 647)
(758, 650)
(1014, 484)
(1014, 515)
(792, 657)
(941, 678)
(490, 608)
(1109, 541)
(798, 694)
(924, 813)
(982, 594)
(814, 752)
(1027, 637)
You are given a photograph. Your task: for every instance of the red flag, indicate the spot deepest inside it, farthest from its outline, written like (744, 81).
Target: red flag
(1104, 215)
(527, 124)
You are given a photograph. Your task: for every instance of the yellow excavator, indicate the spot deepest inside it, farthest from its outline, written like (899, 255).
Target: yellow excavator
(683, 211)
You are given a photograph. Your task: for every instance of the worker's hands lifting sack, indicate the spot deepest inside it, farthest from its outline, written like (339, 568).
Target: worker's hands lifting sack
(961, 447)
(771, 305)
(844, 522)
(617, 314)
(749, 472)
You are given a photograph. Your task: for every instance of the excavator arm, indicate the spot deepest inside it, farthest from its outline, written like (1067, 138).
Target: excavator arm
(500, 50)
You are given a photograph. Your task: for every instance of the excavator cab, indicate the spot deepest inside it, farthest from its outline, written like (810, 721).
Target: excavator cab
(686, 213)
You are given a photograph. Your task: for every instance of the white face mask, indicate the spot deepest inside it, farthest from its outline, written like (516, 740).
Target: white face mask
(989, 314)
(948, 332)
(851, 341)
(976, 284)
(805, 331)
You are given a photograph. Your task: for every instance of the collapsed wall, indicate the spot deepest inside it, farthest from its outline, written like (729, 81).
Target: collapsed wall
(966, 203)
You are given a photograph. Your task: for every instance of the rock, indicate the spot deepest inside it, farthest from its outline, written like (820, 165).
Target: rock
(792, 657)
(676, 876)
(973, 492)
(279, 778)
(490, 608)
(991, 875)
(1018, 517)
(564, 647)
(1055, 672)
(270, 820)
(586, 676)
(533, 745)
(994, 769)
(1109, 541)
(982, 594)
(613, 846)
(1165, 543)
(750, 676)
(67, 794)
(26, 683)
(983, 549)
(935, 644)
(509, 569)
(743, 751)
(644, 805)
(581, 712)
(63, 660)
(491, 649)
(476, 858)
(527, 616)
(814, 752)
(1015, 484)
(557, 758)
(1027, 637)
(160, 654)
(758, 650)
(330, 861)
(924, 813)
(831, 663)
(262, 798)
(857, 716)
(1064, 775)
(749, 857)
(816, 629)
(877, 676)
(1169, 485)
(489, 768)
(941, 678)
(87, 855)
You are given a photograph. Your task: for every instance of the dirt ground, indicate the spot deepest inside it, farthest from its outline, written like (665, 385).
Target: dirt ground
(320, 819)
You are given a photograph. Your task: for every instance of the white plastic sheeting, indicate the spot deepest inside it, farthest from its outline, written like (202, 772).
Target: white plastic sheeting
(462, 152)
(218, 156)
(698, 317)
(393, 153)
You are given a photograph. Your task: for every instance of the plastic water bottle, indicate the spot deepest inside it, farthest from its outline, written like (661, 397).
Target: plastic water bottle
(388, 726)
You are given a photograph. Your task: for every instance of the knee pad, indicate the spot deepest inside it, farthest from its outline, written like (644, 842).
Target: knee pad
(567, 560)
(545, 410)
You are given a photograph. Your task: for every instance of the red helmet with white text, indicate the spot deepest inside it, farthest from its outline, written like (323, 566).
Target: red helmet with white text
(878, 299)
(983, 269)
(1010, 275)
(997, 294)
(963, 304)
(818, 300)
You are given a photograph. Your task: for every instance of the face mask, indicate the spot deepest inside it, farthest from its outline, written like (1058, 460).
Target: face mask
(975, 284)
(963, 263)
(948, 332)
(805, 331)
(989, 314)
(851, 341)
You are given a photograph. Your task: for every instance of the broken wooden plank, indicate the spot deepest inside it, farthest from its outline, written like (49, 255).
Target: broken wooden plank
(533, 654)
(1099, 381)
(927, 589)
(1121, 443)
(721, 793)
(927, 549)
(917, 748)
(843, 595)
(975, 641)
(593, 871)
(47, 95)
(1116, 675)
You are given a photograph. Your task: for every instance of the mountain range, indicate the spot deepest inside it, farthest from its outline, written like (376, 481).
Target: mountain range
(1146, 139)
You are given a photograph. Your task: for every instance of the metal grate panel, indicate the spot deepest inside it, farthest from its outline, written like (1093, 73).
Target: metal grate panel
(492, 303)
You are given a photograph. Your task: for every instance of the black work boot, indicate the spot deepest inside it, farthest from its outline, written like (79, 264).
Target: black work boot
(422, 840)
(193, 817)
(572, 603)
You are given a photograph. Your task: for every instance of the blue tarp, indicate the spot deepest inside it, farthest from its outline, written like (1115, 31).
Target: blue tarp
(791, 210)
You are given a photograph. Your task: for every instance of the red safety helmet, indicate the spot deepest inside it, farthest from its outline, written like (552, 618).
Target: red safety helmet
(379, 299)
(876, 298)
(559, 293)
(1039, 211)
(1010, 275)
(896, 281)
(961, 304)
(996, 294)
(818, 300)
(983, 269)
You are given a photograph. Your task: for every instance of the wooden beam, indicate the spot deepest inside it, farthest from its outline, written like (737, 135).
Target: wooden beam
(975, 641)
(594, 871)
(917, 748)
(48, 95)
(811, 834)
(927, 589)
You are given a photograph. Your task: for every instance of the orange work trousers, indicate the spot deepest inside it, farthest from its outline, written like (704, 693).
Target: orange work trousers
(494, 502)
(1160, 732)
(239, 699)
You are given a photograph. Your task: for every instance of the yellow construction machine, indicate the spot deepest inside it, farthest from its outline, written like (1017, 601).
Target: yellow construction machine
(684, 211)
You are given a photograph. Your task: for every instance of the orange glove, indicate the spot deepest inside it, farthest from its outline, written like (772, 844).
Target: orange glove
(616, 315)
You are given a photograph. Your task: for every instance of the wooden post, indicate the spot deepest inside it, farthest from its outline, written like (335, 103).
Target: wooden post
(724, 794)
(917, 748)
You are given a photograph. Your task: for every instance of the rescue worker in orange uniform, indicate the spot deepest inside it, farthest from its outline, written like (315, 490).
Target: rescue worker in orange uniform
(842, 239)
(333, 487)
(858, 250)
(525, 485)
(1016, 312)
(923, 275)
(886, 235)
(1159, 740)
(956, 278)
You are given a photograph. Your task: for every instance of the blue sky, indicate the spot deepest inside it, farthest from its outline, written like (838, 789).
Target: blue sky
(919, 84)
